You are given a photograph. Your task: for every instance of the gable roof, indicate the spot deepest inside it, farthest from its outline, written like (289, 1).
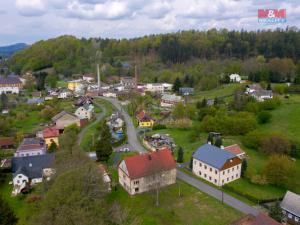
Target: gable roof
(50, 132)
(234, 149)
(291, 203)
(61, 114)
(10, 79)
(151, 163)
(32, 166)
(213, 156)
(7, 141)
(31, 144)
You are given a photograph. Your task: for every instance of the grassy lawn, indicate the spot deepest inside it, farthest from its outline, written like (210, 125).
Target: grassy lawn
(223, 90)
(192, 208)
(62, 83)
(16, 203)
(90, 136)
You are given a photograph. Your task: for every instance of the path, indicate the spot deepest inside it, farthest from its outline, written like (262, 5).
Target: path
(214, 192)
(99, 117)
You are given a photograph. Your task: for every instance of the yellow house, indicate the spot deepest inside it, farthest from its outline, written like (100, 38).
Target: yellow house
(51, 135)
(144, 121)
(73, 85)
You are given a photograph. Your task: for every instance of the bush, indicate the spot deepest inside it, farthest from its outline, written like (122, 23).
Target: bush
(264, 117)
(270, 104)
(275, 144)
(159, 127)
(253, 139)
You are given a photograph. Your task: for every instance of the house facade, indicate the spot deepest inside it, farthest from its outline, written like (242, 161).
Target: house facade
(65, 119)
(30, 170)
(290, 206)
(235, 78)
(7, 143)
(128, 82)
(168, 100)
(10, 84)
(216, 165)
(51, 134)
(31, 147)
(85, 112)
(145, 172)
(144, 120)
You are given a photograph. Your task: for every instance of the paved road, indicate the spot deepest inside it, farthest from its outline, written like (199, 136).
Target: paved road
(233, 202)
(99, 117)
(130, 129)
(214, 192)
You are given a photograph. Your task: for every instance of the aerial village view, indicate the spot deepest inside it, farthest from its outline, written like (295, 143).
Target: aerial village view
(160, 112)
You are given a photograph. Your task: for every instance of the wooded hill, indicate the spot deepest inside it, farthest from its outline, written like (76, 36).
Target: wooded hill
(69, 55)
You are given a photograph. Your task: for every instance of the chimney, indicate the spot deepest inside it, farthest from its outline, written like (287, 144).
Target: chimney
(136, 76)
(98, 76)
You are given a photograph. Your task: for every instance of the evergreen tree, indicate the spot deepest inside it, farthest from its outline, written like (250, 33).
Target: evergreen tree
(53, 147)
(177, 84)
(4, 101)
(218, 142)
(103, 146)
(204, 103)
(269, 87)
(7, 216)
(244, 167)
(180, 155)
(276, 212)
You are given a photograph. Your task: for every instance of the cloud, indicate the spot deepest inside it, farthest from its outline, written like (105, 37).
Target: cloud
(30, 8)
(157, 9)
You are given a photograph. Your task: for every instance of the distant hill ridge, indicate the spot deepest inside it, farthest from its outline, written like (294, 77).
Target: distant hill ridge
(9, 50)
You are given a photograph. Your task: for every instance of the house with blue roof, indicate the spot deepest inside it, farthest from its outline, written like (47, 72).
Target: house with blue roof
(216, 165)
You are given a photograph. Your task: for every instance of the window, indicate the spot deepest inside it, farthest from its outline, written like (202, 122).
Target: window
(205, 175)
(228, 171)
(205, 167)
(136, 182)
(231, 177)
(215, 180)
(200, 164)
(136, 189)
(216, 172)
(209, 178)
(227, 179)
(210, 169)
(232, 168)
(200, 173)
(223, 172)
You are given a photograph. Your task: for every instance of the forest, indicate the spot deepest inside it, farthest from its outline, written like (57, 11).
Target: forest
(263, 55)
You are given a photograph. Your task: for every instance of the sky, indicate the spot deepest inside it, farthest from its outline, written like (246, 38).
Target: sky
(33, 20)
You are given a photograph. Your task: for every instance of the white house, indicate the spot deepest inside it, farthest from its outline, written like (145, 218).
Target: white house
(110, 94)
(31, 170)
(85, 111)
(63, 94)
(168, 100)
(145, 172)
(235, 78)
(88, 77)
(154, 87)
(216, 165)
(10, 84)
(31, 147)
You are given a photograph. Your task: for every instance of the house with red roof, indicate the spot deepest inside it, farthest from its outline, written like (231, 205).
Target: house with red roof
(144, 120)
(51, 134)
(7, 143)
(236, 150)
(145, 172)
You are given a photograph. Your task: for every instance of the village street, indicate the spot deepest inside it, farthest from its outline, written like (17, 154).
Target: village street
(214, 192)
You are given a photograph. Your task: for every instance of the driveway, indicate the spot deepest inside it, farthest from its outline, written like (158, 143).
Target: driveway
(216, 193)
